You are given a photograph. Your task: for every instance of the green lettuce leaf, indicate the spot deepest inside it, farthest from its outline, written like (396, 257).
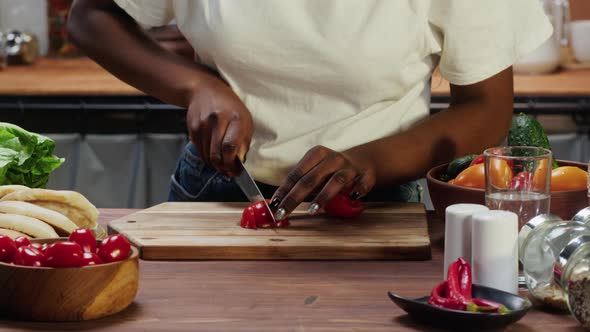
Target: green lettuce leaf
(26, 158)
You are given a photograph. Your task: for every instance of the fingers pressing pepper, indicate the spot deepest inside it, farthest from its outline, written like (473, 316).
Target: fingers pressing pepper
(325, 171)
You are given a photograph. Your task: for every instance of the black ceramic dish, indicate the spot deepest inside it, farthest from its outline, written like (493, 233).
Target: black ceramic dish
(423, 312)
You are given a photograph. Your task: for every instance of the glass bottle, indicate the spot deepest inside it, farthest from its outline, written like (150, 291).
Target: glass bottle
(572, 272)
(583, 216)
(541, 241)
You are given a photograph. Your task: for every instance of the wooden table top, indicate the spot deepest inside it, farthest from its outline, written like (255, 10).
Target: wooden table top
(85, 78)
(280, 296)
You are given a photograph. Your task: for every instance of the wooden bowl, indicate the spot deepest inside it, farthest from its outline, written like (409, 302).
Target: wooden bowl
(565, 204)
(68, 294)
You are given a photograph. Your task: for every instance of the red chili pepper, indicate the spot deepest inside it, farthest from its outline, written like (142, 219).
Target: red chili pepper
(342, 206)
(465, 281)
(438, 297)
(257, 215)
(453, 287)
(455, 292)
(478, 160)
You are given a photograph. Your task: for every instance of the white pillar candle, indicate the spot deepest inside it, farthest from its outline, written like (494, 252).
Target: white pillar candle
(458, 232)
(494, 250)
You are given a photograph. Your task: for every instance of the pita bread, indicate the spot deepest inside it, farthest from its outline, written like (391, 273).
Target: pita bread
(69, 203)
(10, 188)
(12, 234)
(60, 222)
(27, 225)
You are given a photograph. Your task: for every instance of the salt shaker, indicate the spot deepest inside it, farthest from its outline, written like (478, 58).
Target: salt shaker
(458, 232)
(494, 249)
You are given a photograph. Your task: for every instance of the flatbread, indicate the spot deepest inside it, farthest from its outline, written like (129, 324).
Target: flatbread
(10, 188)
(27, 225)
(61, 223)
(12, 234)
(69, 203)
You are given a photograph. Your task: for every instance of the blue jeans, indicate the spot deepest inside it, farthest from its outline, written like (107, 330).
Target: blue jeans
(194, 181)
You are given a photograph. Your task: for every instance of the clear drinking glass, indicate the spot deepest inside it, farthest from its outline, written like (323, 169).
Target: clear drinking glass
(518, 179)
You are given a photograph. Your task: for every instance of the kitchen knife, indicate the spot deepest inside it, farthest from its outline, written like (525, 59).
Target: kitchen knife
(249, 187)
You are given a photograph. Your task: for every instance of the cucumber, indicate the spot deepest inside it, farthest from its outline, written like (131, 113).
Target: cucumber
(457, 166)
(527, 131)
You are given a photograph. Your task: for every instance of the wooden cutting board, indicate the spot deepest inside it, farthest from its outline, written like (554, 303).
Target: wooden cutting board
(212, 231)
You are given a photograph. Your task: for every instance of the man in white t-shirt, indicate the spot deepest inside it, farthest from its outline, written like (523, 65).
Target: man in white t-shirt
(319, 96)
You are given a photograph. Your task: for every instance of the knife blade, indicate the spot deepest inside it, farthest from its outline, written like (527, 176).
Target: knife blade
(249, 187)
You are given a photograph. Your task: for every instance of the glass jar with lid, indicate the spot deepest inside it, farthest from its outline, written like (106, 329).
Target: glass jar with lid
(583, 216)
(572, 272)
(541, 241)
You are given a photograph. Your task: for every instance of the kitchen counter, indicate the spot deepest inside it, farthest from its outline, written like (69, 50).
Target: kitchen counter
(280, 296)
(59, 77)
(82, 77)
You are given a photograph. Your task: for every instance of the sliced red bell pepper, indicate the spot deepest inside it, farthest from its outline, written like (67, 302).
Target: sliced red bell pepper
(343, 207)
(248, 218)
(257, 215)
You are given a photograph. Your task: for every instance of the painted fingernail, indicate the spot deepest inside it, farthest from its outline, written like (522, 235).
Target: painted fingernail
(274, 204)
(280, 214)
(355, 195)
(313, 209)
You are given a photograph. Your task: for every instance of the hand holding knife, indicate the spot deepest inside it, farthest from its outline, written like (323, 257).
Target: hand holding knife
(249, 187)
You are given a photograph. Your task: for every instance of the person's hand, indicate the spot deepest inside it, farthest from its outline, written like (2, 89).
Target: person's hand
(326, 171)
(219, 125)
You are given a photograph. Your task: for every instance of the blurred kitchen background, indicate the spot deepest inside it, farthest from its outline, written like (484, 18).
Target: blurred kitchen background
(121, 146)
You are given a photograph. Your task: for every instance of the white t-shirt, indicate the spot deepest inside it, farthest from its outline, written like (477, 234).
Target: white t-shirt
(341, 73)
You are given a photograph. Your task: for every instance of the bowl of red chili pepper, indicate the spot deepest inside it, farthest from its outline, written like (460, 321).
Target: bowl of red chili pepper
(458, 304)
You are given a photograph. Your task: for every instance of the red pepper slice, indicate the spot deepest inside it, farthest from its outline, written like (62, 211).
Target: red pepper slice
(248, 218)
(343, 207)
(257, 215)
(482, 305)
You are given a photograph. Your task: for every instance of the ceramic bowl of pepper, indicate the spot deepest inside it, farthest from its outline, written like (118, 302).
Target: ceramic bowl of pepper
(421, 311)
(565, 204)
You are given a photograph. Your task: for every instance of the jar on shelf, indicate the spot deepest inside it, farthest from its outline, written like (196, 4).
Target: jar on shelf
(541, 241)
(572, 271)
